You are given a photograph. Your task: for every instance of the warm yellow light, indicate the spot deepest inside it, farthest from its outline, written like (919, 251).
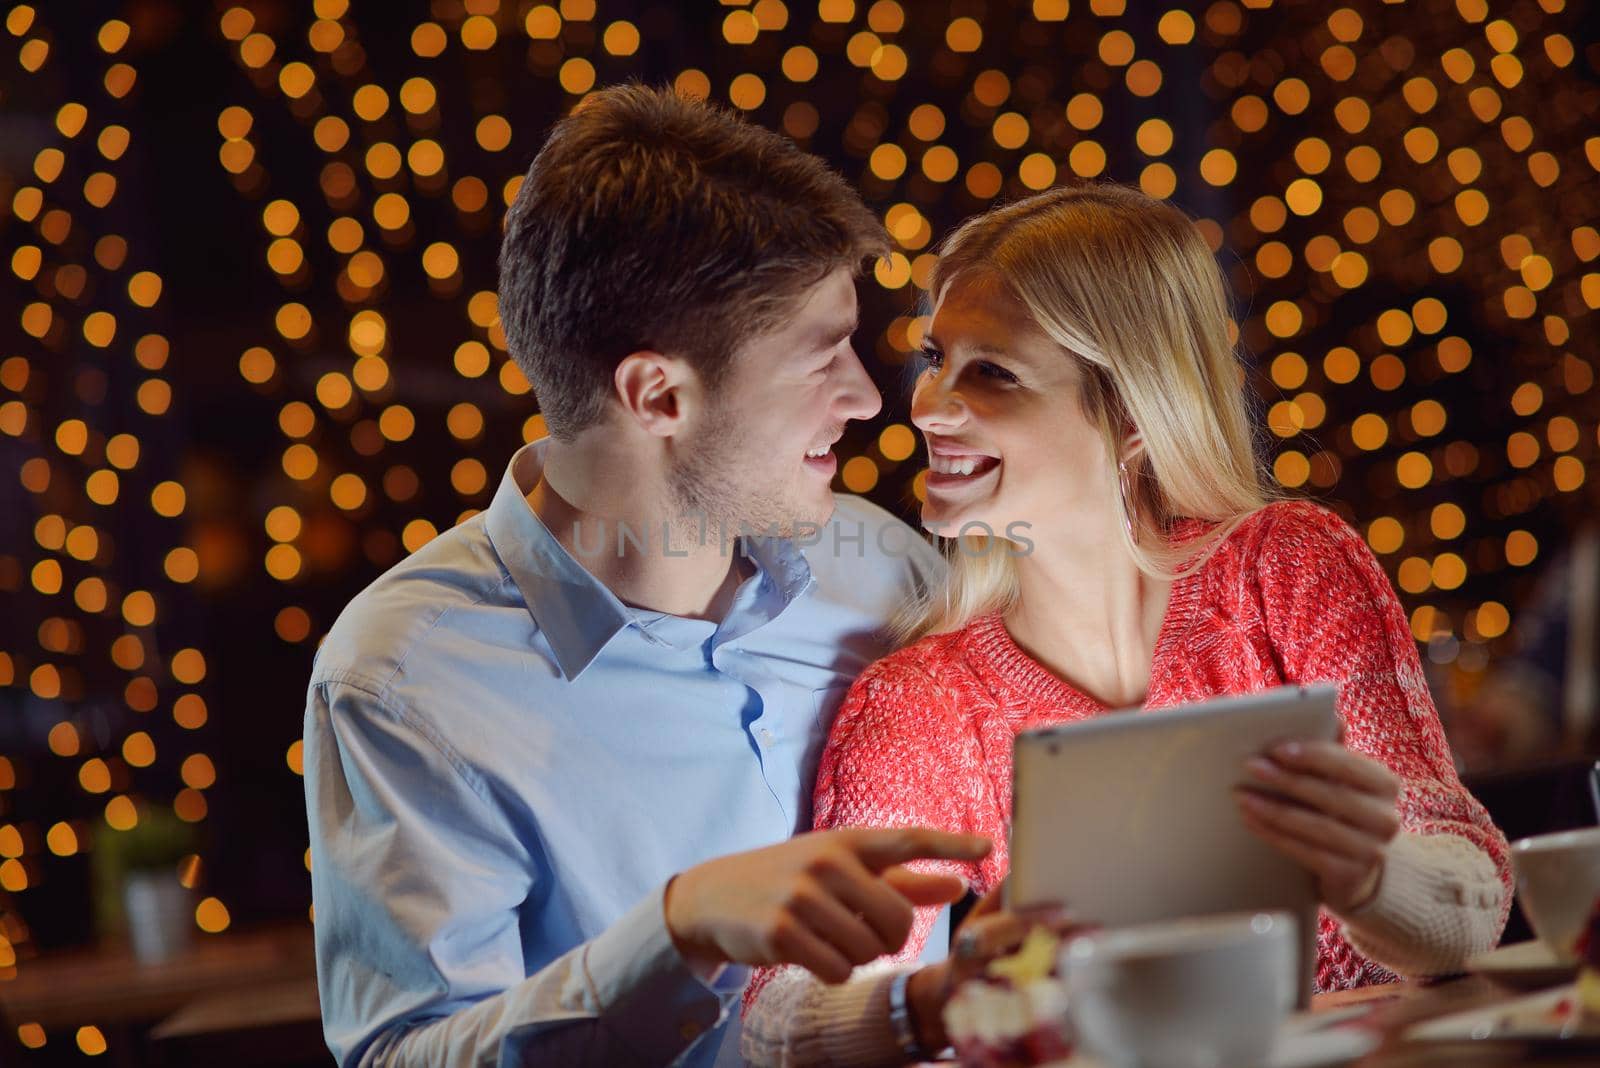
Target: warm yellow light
(464, 421)
(1492, 619)
(1087, 159)
(417, 533)
(964, 35)
(1084, 111)
(479, 33)
(493, 132)
(182, 565)
(859, 474)
(897, 442)
(296, 80)
(189, 712)
(211, 916)
(139, 750)
(1037, 171)
(396, 422)
(577, 75)
(747, 92)
(440, 260)
(799, 64)
(888, 161)
(391, 211)
(121, 814)
(348, 492)
(1176, 27)
(1428, 418)
(370, 102)
(168, 499)
(90, 1041)
(1154, 137)
(621, 38)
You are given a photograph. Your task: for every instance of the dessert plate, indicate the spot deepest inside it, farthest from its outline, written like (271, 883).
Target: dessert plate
(1548, 1017)
(1523, 966)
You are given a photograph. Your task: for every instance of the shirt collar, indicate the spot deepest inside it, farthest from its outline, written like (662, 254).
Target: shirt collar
(577, 613)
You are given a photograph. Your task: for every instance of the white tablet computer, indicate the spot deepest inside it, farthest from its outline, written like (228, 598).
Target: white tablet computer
(1129, 817)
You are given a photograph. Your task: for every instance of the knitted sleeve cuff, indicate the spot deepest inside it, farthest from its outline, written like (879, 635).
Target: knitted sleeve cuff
(798, 1020)
(1437, 906)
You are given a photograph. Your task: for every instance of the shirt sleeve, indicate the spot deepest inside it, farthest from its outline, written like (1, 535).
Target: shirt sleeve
(1332, 616)
(418, 883)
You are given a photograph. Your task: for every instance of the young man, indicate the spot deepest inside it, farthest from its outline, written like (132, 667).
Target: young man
(526, 743)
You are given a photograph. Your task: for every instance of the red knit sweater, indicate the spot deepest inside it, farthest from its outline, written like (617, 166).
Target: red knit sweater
(1293, 595)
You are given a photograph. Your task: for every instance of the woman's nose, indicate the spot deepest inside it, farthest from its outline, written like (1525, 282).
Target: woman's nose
(935, 407)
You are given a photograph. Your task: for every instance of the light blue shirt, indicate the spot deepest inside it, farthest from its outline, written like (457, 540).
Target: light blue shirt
(505, 764)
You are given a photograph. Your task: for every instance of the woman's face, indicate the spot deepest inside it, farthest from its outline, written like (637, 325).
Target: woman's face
(1008, 442)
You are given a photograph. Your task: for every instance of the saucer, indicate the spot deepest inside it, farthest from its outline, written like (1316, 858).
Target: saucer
(1532, 1018)
(1325, 1048)
(1523, 966)
(1305, 1041)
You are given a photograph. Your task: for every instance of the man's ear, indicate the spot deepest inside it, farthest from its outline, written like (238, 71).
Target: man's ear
(658, 392)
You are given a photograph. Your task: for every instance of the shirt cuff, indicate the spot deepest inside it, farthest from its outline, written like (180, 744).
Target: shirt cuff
(646, 993)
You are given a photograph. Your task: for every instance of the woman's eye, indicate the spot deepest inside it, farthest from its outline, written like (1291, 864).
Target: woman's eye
(933, 356)
(994, 370)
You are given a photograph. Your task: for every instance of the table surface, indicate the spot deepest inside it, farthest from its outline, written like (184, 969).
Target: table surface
(106, 985)
(1396, 1007)
(260, 982)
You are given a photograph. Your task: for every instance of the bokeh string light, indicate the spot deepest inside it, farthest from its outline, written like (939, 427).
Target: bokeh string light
(100, 661)
(1403, 196)
(1380, 176)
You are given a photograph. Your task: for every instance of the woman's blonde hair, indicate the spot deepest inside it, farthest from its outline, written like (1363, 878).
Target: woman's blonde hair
(1128, 288)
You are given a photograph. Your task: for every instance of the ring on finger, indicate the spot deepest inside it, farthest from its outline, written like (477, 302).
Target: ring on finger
(968, 947)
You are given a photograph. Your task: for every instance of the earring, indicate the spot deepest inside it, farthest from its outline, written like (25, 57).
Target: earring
(1124, 483)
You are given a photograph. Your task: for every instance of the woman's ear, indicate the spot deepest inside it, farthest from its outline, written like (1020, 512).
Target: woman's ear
(1132, 446)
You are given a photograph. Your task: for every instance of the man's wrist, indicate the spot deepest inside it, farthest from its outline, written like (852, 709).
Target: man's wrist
(704, 961)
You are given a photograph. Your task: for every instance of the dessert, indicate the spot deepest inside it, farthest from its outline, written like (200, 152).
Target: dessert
(1015, 1014)
(1588, 948)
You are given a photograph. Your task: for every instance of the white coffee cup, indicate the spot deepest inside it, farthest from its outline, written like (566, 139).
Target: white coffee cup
(1558, 881)
(1203, 992)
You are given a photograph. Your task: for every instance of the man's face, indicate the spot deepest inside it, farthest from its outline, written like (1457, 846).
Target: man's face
(762, 456)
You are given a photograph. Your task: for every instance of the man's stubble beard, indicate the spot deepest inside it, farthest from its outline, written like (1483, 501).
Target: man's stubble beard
(719, 490)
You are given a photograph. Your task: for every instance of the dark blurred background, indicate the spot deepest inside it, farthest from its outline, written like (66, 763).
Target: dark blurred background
(250, 357)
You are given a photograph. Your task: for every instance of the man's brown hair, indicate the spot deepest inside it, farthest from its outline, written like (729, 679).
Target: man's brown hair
(650, 221)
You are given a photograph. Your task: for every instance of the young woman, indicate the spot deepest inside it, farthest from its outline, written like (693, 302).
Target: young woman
(1083, 394)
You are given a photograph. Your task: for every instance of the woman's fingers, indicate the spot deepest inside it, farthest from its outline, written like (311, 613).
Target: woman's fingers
(1339, 876)
(981, 939)
(1311, 827)
(1334, 762)
(1368, 812)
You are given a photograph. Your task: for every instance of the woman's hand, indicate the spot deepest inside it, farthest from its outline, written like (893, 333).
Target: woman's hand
(1328, 808)
(987, 934)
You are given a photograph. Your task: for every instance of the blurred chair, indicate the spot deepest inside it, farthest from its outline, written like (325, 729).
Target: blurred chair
(1541, 699)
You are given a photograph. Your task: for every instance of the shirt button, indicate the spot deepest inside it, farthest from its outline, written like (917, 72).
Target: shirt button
(690, 1030)
(765, 736)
